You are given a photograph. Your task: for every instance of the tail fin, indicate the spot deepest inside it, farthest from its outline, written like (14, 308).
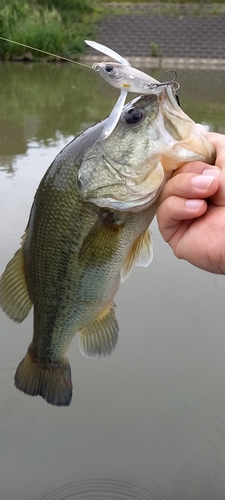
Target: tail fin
(51, 382)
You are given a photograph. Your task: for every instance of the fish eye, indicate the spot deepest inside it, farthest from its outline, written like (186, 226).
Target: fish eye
(109, 68)
(134, 115)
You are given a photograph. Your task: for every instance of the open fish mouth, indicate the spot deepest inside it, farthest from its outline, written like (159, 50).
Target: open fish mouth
(153, 137)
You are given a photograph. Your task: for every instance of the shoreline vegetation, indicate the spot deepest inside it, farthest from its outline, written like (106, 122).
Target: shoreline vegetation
(61, 26)
(56, 26)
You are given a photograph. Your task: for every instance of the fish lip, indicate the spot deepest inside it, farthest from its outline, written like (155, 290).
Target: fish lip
(168, 92)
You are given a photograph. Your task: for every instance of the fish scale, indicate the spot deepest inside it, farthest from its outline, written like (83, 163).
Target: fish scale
(88, 227)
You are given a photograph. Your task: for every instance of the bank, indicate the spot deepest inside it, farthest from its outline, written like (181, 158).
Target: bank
(166, 35)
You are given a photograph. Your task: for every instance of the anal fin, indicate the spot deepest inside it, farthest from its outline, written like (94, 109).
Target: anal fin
(14, 296)
(99, 338)
(140, 254)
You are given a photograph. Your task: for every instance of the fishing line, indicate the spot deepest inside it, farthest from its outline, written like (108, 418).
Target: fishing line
(45, 52)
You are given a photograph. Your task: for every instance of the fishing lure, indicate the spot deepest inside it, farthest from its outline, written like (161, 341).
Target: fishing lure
(114, 116)
(132, 79)
(128, 79)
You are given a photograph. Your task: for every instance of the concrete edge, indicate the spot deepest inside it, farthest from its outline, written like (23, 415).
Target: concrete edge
(164, 62)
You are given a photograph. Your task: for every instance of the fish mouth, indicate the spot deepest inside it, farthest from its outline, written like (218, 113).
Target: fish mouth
(127, 170)
(188, 143)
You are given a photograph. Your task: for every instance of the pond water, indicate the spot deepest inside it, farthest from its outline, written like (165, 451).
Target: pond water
(149, 421)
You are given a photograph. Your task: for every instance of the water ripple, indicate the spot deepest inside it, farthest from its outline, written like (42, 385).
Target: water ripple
(104, 489)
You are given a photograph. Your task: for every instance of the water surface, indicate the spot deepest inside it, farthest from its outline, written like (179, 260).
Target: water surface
(148, 422)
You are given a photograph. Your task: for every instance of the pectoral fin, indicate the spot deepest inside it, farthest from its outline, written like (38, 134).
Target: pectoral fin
(102, 242)
(99, 338)
(140, 254)
(14, 297)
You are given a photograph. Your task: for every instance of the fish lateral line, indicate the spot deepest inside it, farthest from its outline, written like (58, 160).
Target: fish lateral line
(45, 52)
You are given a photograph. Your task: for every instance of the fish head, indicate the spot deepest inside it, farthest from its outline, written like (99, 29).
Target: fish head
(153, 137)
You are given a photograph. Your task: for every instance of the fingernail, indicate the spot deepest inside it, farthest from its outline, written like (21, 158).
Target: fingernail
(216, 172)
(202, 181)
(194, 204)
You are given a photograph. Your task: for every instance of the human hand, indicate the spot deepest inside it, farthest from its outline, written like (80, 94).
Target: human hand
(194, 227)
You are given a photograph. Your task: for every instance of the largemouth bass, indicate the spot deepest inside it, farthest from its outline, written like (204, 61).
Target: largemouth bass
(88, 226)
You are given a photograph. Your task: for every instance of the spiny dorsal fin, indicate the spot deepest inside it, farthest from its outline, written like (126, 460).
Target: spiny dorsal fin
(99, 338)
(14, 297)
(140, 254)
(51, 382)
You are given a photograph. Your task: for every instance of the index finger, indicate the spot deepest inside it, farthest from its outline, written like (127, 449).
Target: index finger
(218, 141)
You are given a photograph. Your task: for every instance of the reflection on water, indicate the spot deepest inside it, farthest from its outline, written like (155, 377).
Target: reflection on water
(45, 102)
(156, 408)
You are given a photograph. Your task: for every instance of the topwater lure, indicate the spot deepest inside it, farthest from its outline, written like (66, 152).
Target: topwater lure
(128, 79)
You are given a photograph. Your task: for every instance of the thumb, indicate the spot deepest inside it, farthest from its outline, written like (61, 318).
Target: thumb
(218, 141)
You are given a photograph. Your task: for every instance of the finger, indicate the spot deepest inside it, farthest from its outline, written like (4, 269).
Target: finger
(188, 185)
(175, 215)
(201, 128)
(218, 141)
(195, 167)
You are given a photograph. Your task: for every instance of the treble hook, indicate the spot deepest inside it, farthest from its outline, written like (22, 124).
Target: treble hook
(173, 82)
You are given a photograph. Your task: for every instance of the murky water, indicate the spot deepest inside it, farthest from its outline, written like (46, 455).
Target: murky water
(149, 422)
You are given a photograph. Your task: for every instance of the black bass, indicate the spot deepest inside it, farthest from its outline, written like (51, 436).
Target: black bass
(88, 226)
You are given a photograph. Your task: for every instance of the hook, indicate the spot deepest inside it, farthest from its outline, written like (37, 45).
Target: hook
(173, 82)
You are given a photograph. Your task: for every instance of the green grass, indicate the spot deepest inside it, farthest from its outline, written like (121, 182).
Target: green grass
(178, 2)
(54, 29)
(162, 7)
(61, 26)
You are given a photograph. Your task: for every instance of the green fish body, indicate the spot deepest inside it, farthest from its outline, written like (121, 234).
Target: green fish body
(88, 226)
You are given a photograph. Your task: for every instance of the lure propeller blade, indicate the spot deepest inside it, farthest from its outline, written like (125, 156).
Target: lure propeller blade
(114, 116)
(108, 52)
